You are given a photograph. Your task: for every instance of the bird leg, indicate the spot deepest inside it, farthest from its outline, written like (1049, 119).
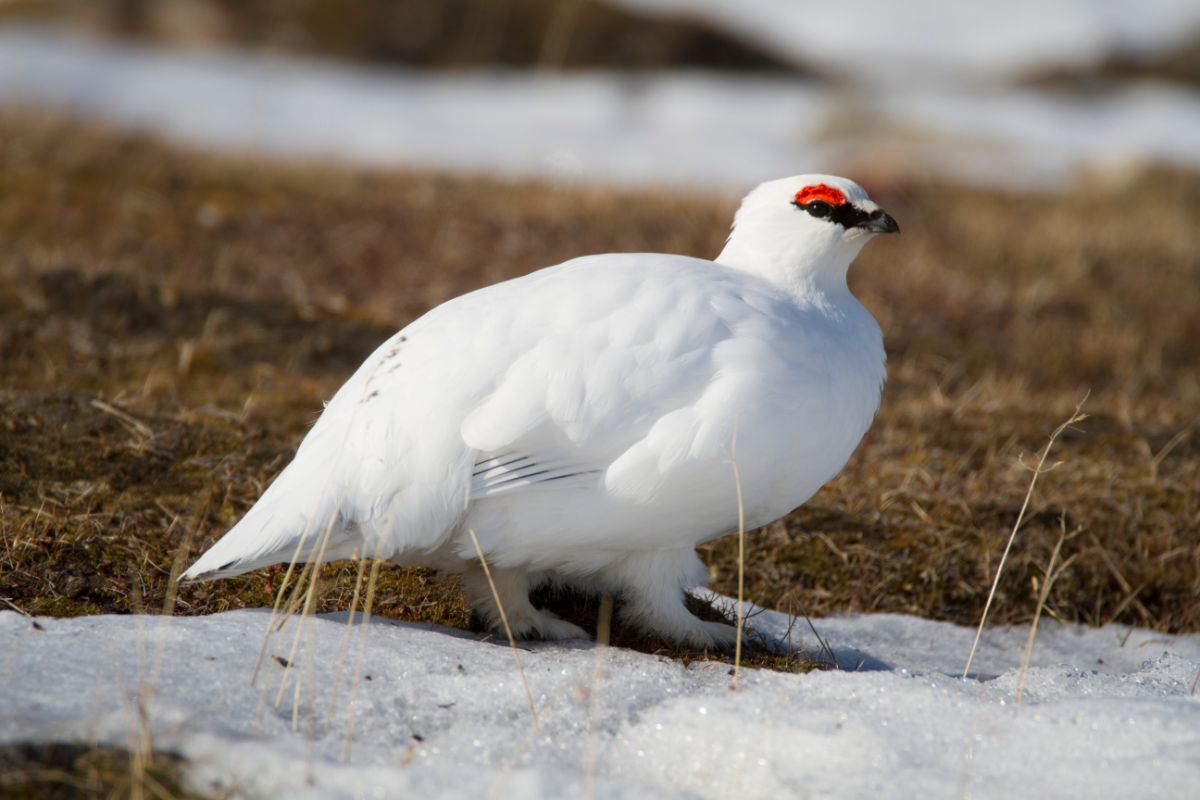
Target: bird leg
(512, 587)
(653, 585)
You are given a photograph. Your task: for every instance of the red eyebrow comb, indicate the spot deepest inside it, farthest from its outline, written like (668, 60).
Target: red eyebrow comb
(820, 191)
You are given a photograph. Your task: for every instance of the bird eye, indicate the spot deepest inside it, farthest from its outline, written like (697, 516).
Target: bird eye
(818, 208)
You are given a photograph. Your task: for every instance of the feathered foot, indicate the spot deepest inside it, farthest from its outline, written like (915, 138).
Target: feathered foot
(526, 622)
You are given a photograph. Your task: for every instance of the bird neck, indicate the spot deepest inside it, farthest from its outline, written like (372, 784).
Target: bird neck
(800, 268)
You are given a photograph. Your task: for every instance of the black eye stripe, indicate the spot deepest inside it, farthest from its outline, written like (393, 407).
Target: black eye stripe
(847, 214)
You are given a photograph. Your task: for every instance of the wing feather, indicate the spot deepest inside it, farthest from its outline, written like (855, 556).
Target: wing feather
(508, 472)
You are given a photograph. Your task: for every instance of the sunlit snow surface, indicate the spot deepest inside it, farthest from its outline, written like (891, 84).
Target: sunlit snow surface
(942, 40)
(1107, 712)
(667, 128)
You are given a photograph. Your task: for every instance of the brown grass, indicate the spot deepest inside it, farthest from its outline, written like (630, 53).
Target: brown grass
(171, 322)
(67, 771)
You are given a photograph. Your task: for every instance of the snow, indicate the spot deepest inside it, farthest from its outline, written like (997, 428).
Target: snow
(682, 129)
(886, 41)
(1106, 712)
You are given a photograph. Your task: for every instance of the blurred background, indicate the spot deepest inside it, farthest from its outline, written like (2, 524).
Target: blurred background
(697, 93)
(212, 210)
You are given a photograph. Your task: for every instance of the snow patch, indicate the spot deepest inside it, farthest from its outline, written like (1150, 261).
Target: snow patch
(688, 130)
(936, 40)
(1107, 712)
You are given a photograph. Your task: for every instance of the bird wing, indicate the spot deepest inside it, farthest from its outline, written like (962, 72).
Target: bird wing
(640, 366)
(604, 371)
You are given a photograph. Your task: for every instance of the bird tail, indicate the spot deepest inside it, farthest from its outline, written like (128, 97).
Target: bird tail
(294, 520)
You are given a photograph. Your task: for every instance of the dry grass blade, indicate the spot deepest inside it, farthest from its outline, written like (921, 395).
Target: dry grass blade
(344, 645)
(298, 593)
(372, 582)
(309, 597)
(135, 426)
(1051, 575)
(1176, 440)
(168, 607)
(287, 577)
(302, 589)
(1076, 416)
(141, 753)
(512, 642)
(603, 633)
(16, 607)
(177, 563)
(741, 564)
(140, 737)
(825, 648)
(1129, 592)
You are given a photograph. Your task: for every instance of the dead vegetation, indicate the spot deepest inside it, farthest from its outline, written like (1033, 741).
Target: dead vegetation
(171, 322)
(69, 771)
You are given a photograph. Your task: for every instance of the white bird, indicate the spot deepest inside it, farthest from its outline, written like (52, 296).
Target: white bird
(583, 421)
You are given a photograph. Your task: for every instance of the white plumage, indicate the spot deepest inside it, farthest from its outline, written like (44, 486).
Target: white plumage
(584, 420)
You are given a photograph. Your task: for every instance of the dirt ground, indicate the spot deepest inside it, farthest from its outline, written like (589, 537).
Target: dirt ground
(171, 322)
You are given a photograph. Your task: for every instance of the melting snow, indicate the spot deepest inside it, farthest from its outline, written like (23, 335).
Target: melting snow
(941, 40)
(1107, 712)
(664, 128)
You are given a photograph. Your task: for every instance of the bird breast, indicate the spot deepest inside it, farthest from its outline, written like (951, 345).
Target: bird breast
(639, 422)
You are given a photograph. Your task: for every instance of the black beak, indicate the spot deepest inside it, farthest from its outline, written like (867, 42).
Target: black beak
(879, 221)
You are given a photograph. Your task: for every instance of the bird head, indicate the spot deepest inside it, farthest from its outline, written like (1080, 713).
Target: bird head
(804, 231)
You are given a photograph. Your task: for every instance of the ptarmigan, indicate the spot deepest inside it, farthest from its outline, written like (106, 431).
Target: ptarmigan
(583, 420)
